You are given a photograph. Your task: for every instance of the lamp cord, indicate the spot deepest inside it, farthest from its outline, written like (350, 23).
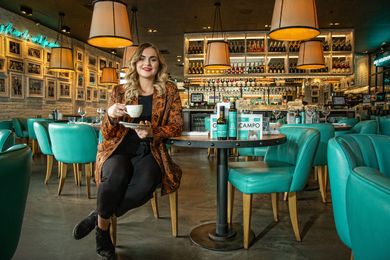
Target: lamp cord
(217, 18)
(134, 22)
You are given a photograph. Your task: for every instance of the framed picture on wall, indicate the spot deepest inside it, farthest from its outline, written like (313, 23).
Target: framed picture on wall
(95, 94)
(79, 67)
(80, 94)
(47, 56)
(92, 77)
(4, 90)
(16, 84)
(102, 94)
(34, 68)
(88, 94)
(33, 52)
(15, 65)
(64, 75)
(51, 88)
(117, 66)
(2, 64)
(63, 90)
(91, 61)
(35, 87)
(80, 80)
(79, 55)
(13, 48)
(102, 63)
(48, 72)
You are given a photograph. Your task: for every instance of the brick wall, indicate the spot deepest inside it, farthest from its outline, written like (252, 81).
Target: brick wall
(40, 106)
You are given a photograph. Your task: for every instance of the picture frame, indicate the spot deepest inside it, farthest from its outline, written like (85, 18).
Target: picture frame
(88, 94)
(35, 87)
(79, 67)
(13, 48)
(47, 57)
(80, 81)
(92, 78)
(102, 63)
(33, 52)
(51, 88)
(34, 68)
(110, 63)
(3, 63)
(16, 83)
(49, 73)
(95, 94)
(15, 65)
(102, 94)
(80, 94)
(64, 75)
(4, 89)
(63, 90)
(2, 46)
(117, 66)
(79, 55)
(91, 61)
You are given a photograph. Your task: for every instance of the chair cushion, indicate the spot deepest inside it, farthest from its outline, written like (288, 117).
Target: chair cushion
(261, 177)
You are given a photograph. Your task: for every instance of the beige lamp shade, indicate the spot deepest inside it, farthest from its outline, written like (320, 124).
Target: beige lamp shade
(311, 55)
(61, 59)
(294, 20)
(127, 55)
(110, 25)
(109, 76)
(217, 55)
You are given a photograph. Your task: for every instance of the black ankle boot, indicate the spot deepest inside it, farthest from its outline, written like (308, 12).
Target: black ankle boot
(85, 226)
(104, 246)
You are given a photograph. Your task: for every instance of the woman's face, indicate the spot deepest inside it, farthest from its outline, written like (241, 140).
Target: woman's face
(147, 65)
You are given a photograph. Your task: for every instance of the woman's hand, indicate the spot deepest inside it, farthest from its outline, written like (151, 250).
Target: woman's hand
(145, 130)
(116, 110)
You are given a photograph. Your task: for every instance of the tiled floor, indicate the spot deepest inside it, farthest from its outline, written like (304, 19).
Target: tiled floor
(49, 220)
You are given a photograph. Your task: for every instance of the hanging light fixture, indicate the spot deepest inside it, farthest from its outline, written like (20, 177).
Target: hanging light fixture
(311, 55)
(61, 57)
(294, 20)
(109, 76)
(130, 50)
(217, 53)
(110, 25)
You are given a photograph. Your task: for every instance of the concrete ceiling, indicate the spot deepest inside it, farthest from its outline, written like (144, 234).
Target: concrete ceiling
(172, 18)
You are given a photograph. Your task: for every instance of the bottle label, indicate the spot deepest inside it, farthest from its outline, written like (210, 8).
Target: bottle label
(221, 130)
(232, 120)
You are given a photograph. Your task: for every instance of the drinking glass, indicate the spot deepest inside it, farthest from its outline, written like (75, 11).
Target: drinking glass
(100, 112)
(276, 113)
(326, 111)
(81, 111)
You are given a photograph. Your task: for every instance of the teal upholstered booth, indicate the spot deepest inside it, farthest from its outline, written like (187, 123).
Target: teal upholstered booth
(7, 139)
(363, 127)
(6, 124)
(359, 169)
(75, 144)
(285, 168)
(321, 158)
(31, 132)
(20, 127)
(348, 121)
(15, 171)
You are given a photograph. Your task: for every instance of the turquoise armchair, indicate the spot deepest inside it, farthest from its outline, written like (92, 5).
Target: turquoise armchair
(7, 139)
(20, 127)
(31, 132)
(285, 168)
(73, 144)
(42, 134)
(321, 158)
(383, 125)
(348, 121)
(359, 168)
(15, 165)
(363, 127)
(6, 124)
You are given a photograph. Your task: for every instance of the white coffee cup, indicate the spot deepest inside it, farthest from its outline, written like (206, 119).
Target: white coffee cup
(134, 110)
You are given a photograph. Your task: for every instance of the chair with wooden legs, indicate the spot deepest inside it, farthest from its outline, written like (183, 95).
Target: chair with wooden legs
(31, 132)
(173, 211)
(20, 127)
(74, 144)
(285, 168)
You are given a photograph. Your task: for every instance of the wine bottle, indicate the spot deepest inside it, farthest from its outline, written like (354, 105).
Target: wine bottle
(221, 125)
(232, 120)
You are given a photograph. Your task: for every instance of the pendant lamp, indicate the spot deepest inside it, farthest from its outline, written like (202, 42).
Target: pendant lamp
(130, 50)
(294, 20)
(109, 76)
(110, 25)
(61, 57)
(311, 55)
(217, 52)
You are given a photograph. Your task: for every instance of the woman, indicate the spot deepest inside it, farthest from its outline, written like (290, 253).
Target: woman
(131, 163)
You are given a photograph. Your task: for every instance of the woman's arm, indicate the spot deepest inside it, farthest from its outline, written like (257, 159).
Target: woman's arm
(110, 125)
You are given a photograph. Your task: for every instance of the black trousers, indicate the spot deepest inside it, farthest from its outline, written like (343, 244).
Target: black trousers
(128, 181)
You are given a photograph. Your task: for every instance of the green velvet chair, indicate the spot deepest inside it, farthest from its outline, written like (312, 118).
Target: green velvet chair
(31, 132)
(6, 124)
(359, 169)
(383, 125)
(73, 144)
(20, 127)
(348, 121)
(321, 159)
(363, 127)
(15, 171)
(7, 139)
(285, 168)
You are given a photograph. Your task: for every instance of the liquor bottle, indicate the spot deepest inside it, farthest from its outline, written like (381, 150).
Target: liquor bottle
(221, 125)
(297, 118)
(232, 120)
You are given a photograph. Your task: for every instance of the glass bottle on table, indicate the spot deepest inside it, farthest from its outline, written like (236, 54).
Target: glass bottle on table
(222, 130)
(232, 120)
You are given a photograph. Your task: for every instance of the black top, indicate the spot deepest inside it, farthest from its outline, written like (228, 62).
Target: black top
(131, 141)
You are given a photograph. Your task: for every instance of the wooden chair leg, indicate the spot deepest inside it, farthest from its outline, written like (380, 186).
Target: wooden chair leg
(321, 182)
(113, 226)
(75, 173)
(154, 203)
(285, 196)
(274, 201)
(88, 173)
(315, 173)
(63, 169)
(49, 167)
(34, 146)
(326, 174)
(292, 207)
(173, 208)
(231, 191)
(247, 215)
(59, 170)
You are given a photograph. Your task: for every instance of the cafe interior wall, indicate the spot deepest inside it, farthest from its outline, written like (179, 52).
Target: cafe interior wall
(40, 106)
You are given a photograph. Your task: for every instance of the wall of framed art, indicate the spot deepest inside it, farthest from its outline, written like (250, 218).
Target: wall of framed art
(29, 89)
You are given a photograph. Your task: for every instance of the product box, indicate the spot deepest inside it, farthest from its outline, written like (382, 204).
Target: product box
(250, 126)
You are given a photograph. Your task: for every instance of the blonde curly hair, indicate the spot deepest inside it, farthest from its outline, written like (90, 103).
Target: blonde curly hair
(132, 85)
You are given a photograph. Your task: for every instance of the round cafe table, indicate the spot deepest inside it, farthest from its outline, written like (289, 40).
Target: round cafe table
(220, 235)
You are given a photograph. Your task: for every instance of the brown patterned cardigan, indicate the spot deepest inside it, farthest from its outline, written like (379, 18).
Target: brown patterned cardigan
(167, 121)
